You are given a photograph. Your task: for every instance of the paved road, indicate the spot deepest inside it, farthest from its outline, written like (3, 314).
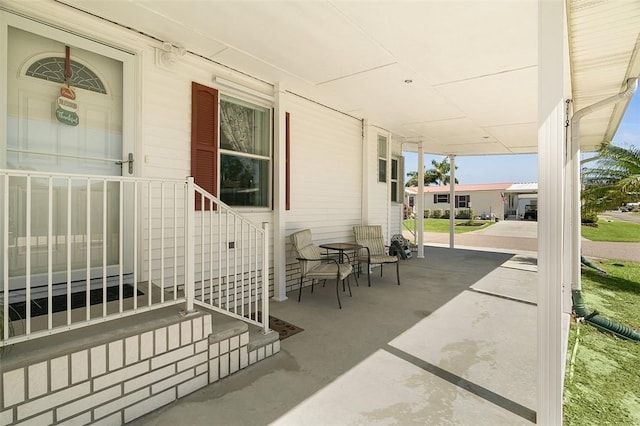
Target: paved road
(522, 236)
(626, 216)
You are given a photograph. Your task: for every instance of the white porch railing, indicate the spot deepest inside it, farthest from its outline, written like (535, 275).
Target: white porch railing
(78, 250)
(231, 257)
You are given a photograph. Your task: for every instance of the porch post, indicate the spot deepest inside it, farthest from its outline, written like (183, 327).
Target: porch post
(279, 198)
(189, 244)
(551, 55)
(420, 203)
(265, 278)
(452, 200)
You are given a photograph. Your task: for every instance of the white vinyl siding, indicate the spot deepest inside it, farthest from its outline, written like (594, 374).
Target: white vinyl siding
(329, 173)
(326, 147)
(482, 202)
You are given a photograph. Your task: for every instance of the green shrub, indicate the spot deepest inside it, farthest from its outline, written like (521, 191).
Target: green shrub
(589, 217)
(464, 214)
(437, 213)
(427, 213)
(447, 214)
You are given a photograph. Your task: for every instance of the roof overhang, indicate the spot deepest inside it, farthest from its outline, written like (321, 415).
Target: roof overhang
(459, 77)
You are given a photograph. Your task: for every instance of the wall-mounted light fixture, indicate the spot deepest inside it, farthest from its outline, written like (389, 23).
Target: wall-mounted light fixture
(167, 55)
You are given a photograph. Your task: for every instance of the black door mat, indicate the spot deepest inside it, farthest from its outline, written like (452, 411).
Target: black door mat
(18, 310)
(283, 328)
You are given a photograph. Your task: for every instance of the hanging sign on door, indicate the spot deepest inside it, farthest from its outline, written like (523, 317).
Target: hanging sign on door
(66, 112)
(67, 107)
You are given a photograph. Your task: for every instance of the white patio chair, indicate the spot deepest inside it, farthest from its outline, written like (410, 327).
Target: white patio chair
(374, 251)
(318, 266)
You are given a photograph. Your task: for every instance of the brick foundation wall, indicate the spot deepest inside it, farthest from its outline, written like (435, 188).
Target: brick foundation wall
(116, 382)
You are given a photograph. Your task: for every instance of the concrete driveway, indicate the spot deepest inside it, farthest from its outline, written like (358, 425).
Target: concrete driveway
(511, 228)
(522, 235)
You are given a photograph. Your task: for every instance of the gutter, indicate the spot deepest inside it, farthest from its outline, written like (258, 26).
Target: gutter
(632, 85)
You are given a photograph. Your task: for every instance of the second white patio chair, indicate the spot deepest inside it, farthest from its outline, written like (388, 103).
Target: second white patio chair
(374, 251)
(318, 266)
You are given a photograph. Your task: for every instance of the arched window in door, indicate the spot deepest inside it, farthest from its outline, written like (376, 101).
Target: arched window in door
(52, 69)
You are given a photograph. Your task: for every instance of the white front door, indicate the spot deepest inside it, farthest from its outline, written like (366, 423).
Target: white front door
(77, 131)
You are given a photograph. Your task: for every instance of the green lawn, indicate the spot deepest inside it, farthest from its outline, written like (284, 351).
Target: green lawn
(442, 225)
(612, 230)
(602, 384)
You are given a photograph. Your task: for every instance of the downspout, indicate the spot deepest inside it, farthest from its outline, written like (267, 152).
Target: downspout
(600, 322)
(364, 202)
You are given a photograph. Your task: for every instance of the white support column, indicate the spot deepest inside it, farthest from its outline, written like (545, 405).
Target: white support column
(452, 200)
(567, 231)
(420, 203)
(551, 51)
(279, 196)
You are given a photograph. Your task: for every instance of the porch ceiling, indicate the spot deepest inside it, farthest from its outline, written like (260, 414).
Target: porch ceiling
(473, 64)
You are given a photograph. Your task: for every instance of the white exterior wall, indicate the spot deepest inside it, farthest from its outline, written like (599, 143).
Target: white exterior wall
(326, 146)
(396, 210)
(325, 193)
(379, 195)
(481, 202)
(326, 176)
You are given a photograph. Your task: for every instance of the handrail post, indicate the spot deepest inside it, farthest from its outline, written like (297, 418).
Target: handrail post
(189, 243)
(265, 277)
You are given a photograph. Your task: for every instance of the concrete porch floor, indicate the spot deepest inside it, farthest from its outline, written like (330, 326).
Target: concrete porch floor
(454, 344)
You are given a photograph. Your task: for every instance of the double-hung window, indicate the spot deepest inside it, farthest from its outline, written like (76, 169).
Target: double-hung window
(396, 182)
(462, 201)
(382, 158)
(440, 198)
(231, 148)
(245, 153)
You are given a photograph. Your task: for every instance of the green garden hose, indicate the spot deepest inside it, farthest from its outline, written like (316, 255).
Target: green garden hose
(600, 322)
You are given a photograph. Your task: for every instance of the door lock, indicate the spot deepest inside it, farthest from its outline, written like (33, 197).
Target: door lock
(128, 160)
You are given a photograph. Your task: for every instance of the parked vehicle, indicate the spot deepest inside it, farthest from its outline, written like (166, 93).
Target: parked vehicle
(531, 213)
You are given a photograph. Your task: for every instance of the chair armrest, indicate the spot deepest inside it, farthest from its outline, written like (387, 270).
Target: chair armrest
(320, 259)
(368, 251)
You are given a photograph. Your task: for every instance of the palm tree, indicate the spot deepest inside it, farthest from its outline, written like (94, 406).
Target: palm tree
(413, 178)
(614, 180)
(439, 174)
(440, 171)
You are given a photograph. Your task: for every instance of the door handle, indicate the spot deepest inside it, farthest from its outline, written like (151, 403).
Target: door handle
(128, 160)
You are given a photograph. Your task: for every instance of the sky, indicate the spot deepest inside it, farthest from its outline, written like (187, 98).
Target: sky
(523, 168)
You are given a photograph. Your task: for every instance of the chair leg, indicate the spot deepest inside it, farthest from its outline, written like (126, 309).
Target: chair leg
(381, 265)
(338, 292)
(348, 285)
(300, 291)
(369, 273)
(398, 271)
